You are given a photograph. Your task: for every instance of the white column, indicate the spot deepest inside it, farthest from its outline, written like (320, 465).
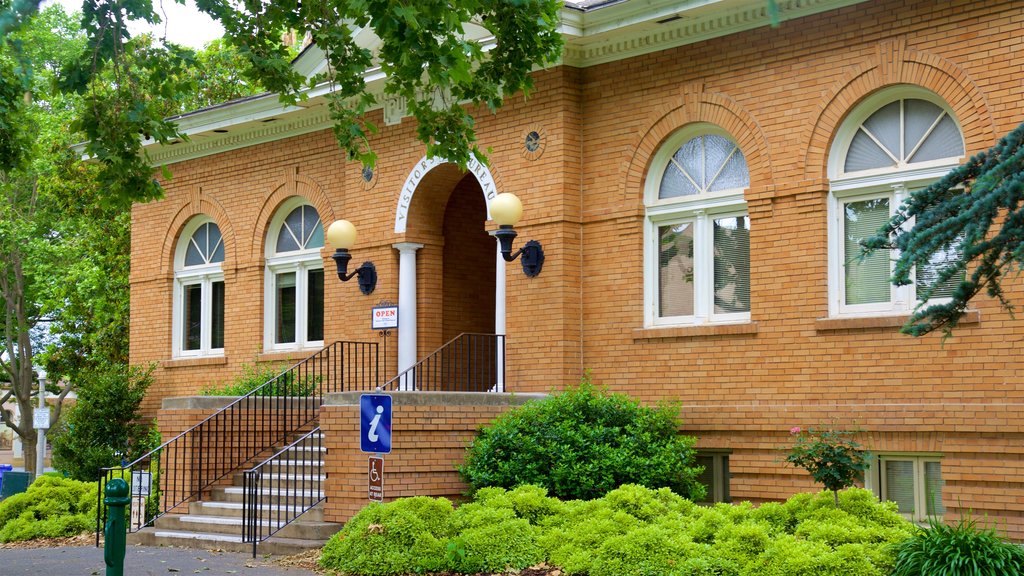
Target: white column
(406, 305)
(499, 312)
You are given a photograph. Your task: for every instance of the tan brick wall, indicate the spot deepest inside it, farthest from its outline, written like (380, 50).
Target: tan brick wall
(781, 93)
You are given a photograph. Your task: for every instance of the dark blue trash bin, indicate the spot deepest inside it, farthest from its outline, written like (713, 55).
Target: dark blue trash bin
(4, 468)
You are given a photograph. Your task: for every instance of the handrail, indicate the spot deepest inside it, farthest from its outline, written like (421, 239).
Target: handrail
(188, 464)
(470, 362)
(282, 488)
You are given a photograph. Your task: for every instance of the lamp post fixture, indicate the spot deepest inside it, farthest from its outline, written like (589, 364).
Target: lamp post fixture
(341, 235)
(506, 210)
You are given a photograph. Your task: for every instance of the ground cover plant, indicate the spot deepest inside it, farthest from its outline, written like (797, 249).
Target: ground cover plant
(961, 549)
(52, 507)
(631, 531)
(582, 443)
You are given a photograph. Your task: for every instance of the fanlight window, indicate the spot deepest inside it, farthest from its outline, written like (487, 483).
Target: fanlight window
(206, 246)
(707, 163)
(901, 133)
(301, 230)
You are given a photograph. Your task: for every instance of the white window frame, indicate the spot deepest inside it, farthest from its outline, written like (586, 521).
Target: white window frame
(875, 480)
(205, 276)
(699, 209)
(894, 183)
(301, 262)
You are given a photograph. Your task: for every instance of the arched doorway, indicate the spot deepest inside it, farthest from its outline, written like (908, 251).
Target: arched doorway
(468, 278)
(451, 278)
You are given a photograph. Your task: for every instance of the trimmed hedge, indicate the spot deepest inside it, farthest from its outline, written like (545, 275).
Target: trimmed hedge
(52, 507)
(583, 443)
(632, 531)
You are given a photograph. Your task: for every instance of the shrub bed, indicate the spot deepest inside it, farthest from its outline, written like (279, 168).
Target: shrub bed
(52, 507)
(632, 531)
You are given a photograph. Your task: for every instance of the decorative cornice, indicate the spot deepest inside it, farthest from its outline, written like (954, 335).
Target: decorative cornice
(616, 43)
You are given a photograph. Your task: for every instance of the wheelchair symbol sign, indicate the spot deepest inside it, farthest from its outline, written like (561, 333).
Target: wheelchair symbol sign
(375, 477)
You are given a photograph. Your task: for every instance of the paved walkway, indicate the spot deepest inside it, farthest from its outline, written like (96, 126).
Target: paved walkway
(139, 561)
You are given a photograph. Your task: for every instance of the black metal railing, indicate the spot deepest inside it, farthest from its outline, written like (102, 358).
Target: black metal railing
(466, 363)
(181, 469)
(282, 488)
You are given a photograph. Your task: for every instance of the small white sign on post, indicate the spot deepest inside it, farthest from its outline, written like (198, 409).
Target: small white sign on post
(384, 317)
(41, 418)
(142, 484)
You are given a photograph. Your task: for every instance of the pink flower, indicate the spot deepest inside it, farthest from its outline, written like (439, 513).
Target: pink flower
(794, 430)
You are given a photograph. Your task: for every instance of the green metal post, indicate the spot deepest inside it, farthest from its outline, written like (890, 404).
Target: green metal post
(114, 532)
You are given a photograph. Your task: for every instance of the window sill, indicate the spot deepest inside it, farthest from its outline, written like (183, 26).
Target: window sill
(287, 355)
(197, 361)
(870, 322)
(738, 329)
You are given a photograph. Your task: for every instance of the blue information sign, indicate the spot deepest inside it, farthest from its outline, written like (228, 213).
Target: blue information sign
(375, 423)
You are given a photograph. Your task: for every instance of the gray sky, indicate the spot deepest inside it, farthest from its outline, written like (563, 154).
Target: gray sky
(184, 24)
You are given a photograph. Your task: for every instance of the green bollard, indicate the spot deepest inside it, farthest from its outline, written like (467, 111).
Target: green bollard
(113, 548)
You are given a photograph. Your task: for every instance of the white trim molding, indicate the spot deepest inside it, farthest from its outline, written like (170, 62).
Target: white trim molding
(478, 169)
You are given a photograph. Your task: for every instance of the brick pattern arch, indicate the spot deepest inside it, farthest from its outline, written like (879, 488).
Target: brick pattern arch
(195, 204)
(293, 184)
(696, 105)
(893, 64)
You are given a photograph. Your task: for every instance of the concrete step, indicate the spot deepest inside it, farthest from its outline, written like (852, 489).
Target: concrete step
(274, 545)
(301, 528)
(294, 464)
(234, 510)
(276, 496)
(274, 479)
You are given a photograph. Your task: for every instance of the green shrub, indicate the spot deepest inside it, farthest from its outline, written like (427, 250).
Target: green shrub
(583, 443)
(832, 457)
(253, 376)
(961, 549)
(632, 531)
(52, 507)
(105, 426)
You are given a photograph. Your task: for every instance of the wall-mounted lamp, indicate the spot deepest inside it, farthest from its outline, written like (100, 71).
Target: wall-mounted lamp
(506, 210)
(341, 235)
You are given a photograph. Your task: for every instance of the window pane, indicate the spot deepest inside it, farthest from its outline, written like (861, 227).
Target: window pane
(943, 142)
(192, 255)
(675, 270)
(864, 154)
(310, 221)
(885, 126)
(284, 317)
(716, 152)
(193, 308)
(732, 265)
(315, 305)
(201, 238)
(928, 274)
(316, 240)
(217, 315)
(733, 175)
(674, 183)
(290, 234)
(216, 253)
(933, 489)
(691, 157)
(867, 280)
(899, 484)
(707, 477)
(918, 117)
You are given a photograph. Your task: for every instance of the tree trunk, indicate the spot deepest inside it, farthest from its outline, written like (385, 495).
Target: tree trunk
(28, 444)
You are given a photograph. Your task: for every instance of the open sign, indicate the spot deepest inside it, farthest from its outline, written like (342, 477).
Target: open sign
(384, 317)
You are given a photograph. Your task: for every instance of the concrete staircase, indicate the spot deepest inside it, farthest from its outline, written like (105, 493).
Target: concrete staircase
(216, 523)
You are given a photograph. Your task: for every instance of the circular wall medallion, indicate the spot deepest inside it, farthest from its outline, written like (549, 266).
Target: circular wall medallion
(368, 176)
(534, 142)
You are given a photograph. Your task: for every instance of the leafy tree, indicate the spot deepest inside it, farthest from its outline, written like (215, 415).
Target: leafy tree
(975, 213)
(428, 61)
(832, 457)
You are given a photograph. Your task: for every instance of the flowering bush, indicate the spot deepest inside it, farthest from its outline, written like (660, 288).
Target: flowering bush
(832, 457)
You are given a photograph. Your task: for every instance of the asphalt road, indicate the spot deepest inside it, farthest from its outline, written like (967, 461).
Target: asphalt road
(139, 561)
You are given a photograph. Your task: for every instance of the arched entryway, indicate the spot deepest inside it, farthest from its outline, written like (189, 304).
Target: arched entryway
(451, 278)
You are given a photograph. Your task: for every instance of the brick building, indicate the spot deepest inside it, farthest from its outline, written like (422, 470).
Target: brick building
(697, 179)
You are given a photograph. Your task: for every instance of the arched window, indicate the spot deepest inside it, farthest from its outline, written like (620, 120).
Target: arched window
(697, 250)
(895, 142)
(295, 278)
(199, 290)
